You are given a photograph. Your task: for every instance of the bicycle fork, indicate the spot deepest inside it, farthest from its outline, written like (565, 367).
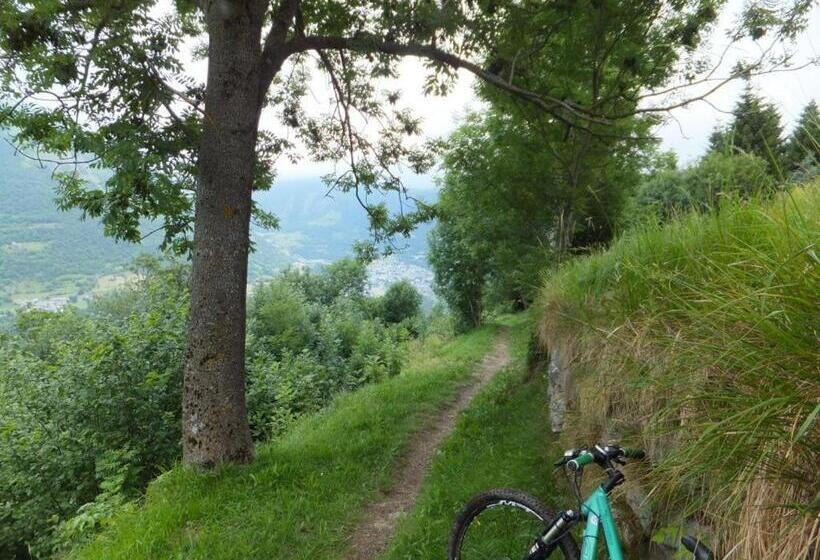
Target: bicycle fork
(547, 542)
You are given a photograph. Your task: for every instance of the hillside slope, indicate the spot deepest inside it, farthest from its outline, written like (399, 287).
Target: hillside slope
(49, 257)
(46, 253)
(698, 341)
(306, 491)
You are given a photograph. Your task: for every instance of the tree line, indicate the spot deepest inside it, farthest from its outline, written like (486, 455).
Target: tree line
(510, 207)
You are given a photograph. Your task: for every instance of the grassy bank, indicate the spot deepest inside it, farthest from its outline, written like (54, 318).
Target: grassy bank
(500, 441)
(306, 490)
(698, 340)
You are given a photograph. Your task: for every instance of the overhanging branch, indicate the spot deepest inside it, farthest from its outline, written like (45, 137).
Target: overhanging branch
(367, 43)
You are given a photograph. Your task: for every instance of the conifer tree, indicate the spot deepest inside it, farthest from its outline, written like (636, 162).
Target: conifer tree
(803, 146)
(756, 129)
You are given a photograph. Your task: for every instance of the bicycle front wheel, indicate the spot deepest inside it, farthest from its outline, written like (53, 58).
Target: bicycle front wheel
(503, 524)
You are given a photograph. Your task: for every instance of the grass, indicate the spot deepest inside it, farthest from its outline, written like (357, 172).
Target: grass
(305, 492)
(501, 440)
(698, 340)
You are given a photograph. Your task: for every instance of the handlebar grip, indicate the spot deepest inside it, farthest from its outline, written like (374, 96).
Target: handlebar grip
(578, 463)
(634, 453)
(700, 550)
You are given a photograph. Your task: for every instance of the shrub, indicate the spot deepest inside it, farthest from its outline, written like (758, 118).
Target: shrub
(87, 407)
(701, 187)
(728, 175)
(280, 389)
(401, 301)
(345, 278)
(279, 318)
(90, 402)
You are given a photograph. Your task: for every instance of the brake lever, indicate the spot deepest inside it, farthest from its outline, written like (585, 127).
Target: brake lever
(568, 456)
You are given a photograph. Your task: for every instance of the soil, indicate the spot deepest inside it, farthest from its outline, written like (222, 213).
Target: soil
(376, 529)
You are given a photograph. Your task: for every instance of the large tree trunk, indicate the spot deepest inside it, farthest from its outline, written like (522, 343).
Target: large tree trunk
(215, 424)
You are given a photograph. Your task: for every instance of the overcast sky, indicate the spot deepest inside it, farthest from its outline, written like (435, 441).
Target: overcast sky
(687, 130)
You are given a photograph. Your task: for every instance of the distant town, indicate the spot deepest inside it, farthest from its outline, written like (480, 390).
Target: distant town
(382, 273)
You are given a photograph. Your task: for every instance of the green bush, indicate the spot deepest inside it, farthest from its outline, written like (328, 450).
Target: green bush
(401, 301)
(304, 352)
(720, 175)
(90, 402)
(279, 318)
(282, 389)
(345, 278)
(672, 192)
(88, 407)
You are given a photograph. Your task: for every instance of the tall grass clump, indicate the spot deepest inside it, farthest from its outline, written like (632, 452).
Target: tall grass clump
(699, 340)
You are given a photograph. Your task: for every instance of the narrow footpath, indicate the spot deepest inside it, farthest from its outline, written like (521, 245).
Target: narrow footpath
(376, 529)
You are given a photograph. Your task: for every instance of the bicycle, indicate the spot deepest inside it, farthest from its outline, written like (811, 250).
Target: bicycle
(503, 522)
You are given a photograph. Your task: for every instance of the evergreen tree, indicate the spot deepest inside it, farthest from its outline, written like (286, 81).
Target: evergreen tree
(719, 139)
(803, 147)
(756, 129)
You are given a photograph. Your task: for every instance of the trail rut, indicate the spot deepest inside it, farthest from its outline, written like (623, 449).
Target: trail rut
(376, 530)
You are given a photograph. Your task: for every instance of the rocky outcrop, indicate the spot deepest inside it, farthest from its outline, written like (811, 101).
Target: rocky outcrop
(631, 509)
(558, 377)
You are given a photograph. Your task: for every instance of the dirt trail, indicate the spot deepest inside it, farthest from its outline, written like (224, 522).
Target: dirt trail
(376, 530)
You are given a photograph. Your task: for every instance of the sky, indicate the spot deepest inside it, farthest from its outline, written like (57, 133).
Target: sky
(687, 133)
(686, 130)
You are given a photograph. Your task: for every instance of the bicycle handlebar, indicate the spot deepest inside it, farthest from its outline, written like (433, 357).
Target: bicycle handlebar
(580, 461)
(633, 453)
(603, 455)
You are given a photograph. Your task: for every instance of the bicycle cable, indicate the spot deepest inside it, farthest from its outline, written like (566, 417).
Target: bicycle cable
(575, 480)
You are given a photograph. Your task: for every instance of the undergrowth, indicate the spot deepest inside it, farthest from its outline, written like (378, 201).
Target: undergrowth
(698, 340)
(306, 490)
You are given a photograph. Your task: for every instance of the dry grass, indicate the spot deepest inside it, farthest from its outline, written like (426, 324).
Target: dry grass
(763, 530)
(698, 341)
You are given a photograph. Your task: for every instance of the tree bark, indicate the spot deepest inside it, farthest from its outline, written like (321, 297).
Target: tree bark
(215, 425)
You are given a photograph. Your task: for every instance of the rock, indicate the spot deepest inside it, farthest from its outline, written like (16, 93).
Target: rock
(558, 374)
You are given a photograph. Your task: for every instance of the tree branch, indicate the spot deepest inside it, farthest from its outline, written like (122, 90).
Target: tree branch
(367, 43)
(77, 5)
(274, 51)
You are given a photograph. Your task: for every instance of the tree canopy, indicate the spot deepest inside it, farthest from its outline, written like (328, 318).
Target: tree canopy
(108, 84)
(802, 150)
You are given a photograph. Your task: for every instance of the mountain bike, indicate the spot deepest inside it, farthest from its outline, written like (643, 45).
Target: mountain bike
(506, 524)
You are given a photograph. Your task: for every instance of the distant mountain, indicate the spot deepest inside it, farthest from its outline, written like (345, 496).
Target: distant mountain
(49, 258)
(47, 255)
(316, 227)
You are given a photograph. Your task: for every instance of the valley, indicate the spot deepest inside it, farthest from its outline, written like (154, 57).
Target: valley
(51, 258)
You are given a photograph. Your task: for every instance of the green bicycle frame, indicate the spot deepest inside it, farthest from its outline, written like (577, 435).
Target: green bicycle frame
(597, 512)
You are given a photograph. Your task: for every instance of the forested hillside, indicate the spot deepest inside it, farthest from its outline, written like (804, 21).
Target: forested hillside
(50, 257)
(44, 252)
